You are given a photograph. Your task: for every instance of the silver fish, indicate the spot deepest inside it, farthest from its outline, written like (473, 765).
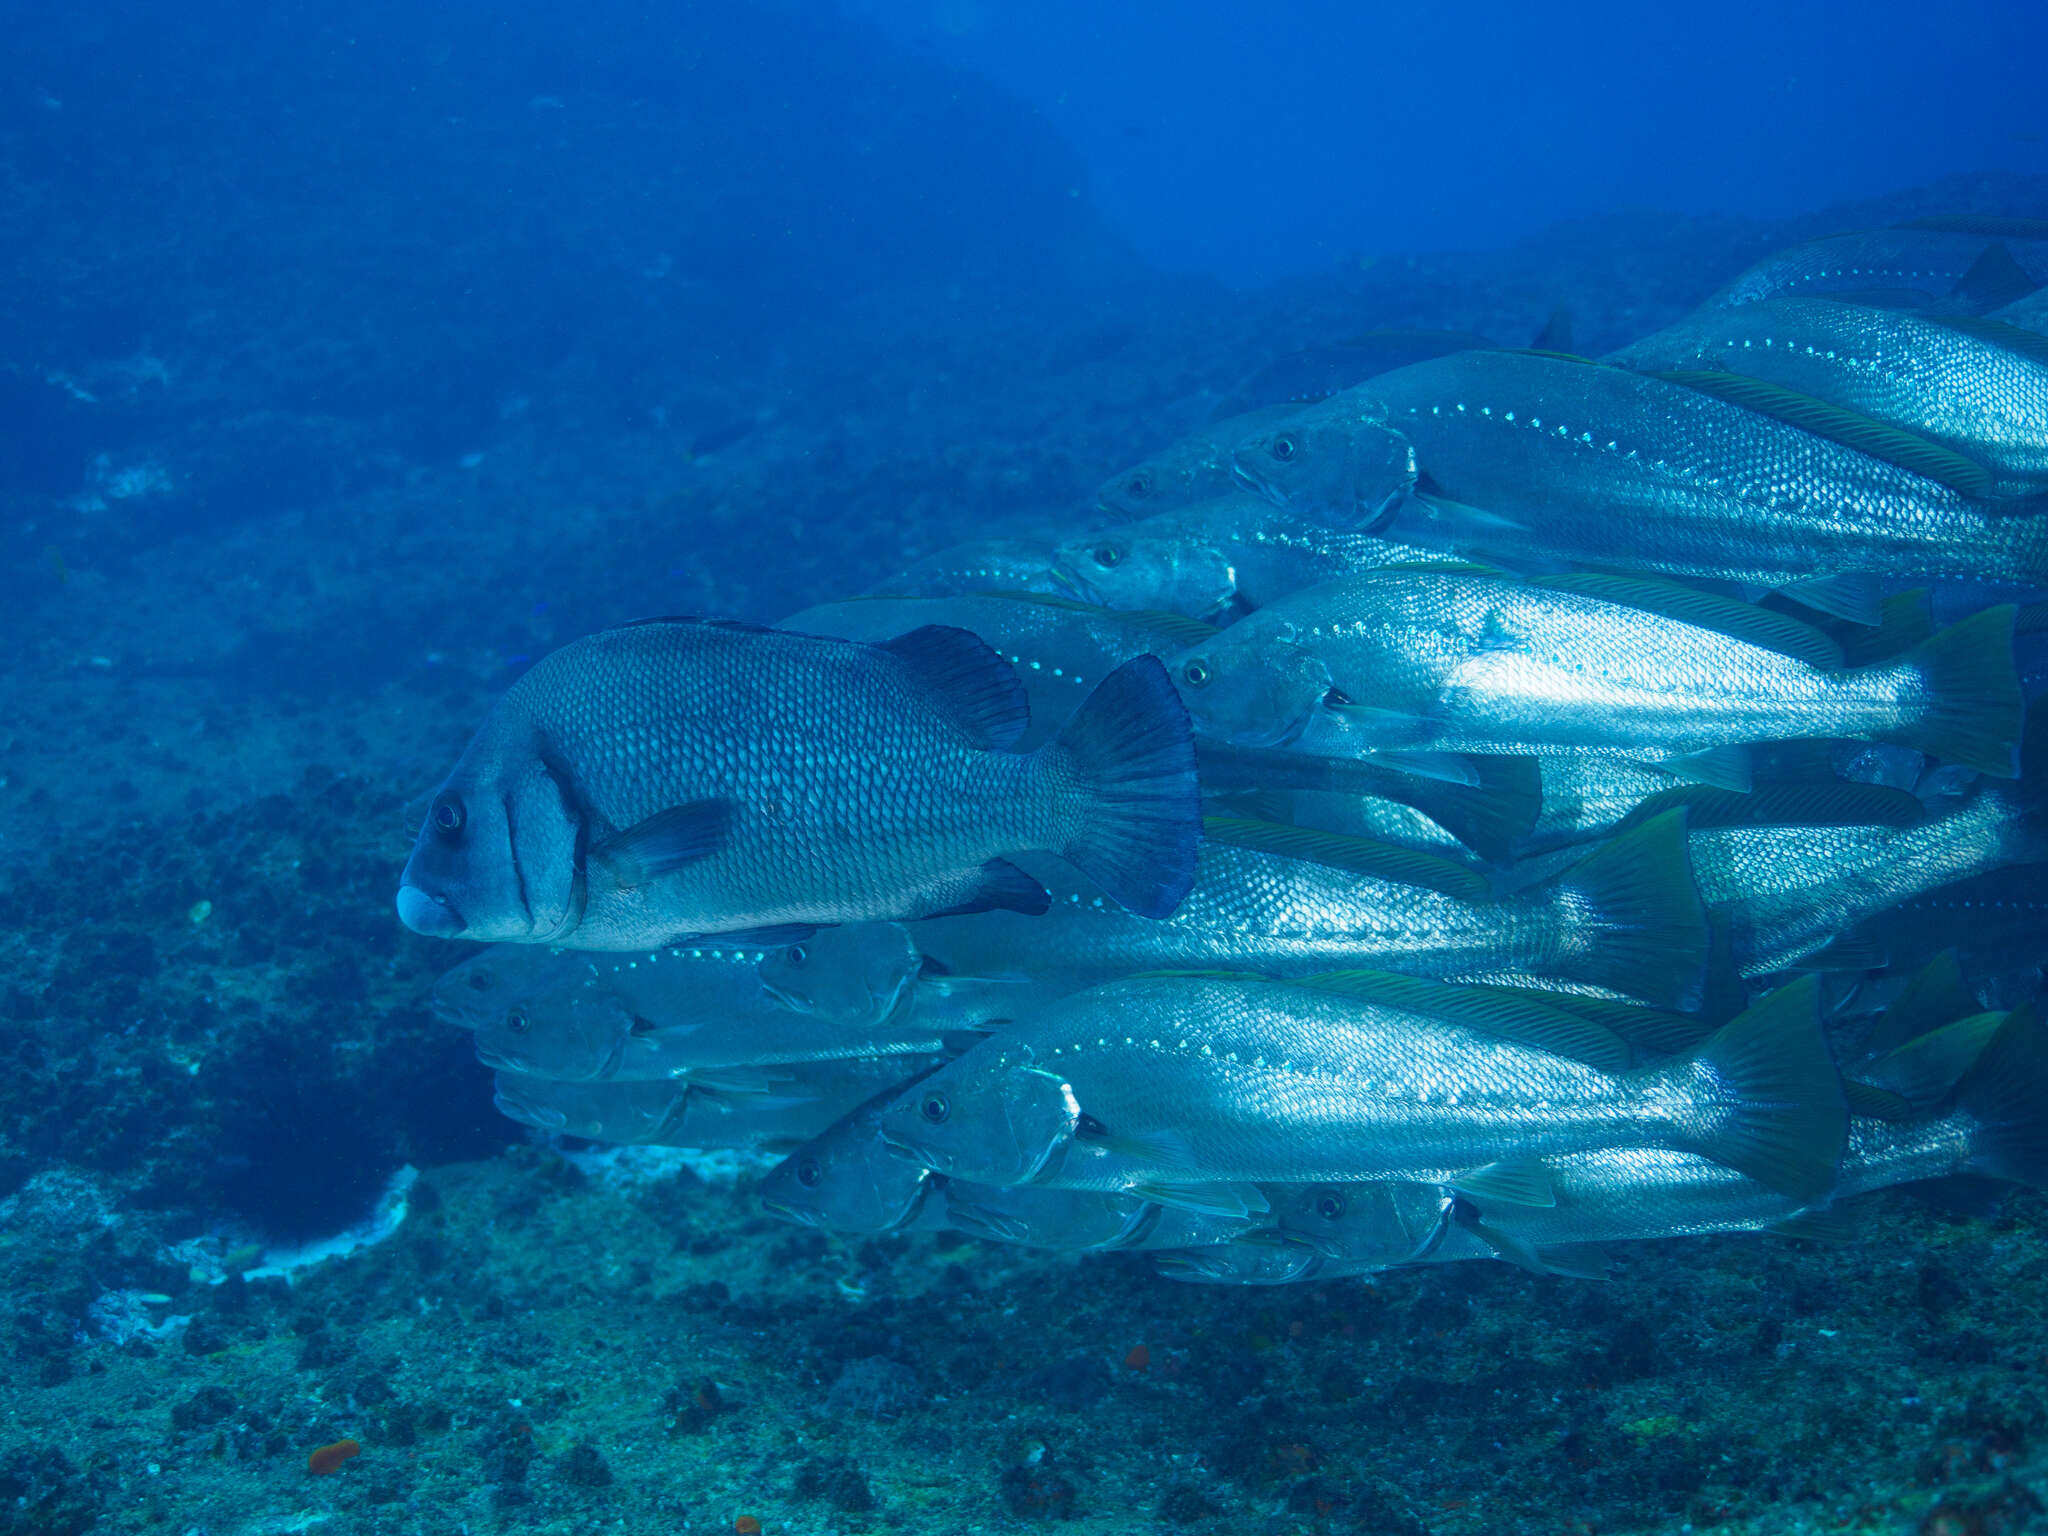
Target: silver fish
(844, 1179)
(858, 978)
(1466, 661)
(1529, 459)
(1287, 901)
(1247, 1263)
(1180, 1087)
(1921, 266)
(1992, 1125)
(689, 1010)
(1978, 388)
(682, 777)
(793, 1105)
(491, 982)
(1060, 649)
(1786, 891)
(1197, 468)
(1081, 1220)
(1217, 557)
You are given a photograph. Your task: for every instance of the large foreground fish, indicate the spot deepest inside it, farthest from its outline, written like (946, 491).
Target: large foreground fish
(683, 776)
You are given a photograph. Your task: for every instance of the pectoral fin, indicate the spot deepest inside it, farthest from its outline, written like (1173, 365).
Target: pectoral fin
(665, 842)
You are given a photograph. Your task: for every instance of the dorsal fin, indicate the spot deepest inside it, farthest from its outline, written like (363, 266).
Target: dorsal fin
(1361, 855)
(1556, 335)
(1993, 281)
(1936, 995)
(1709, 610)
(967, 680)
(1895, 445)
(1490, 1011)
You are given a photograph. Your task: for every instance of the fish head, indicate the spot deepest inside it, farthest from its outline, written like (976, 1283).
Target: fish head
(1254, 685)
(1339, 462)
(858, 975)
(846, 1181)
(987, 1117)
(475, 991)
(1342, 1221)
(1142, 489)
(499, 855)
(570, 1034)
(1141, 567)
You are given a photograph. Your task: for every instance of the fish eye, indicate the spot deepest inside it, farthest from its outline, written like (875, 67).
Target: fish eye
(935, 1107)
(1330, 1206)
(1139, 485)
(796, 954)
(1284, 447)
(1195, 674)
(447, 816)
(1107, 555)
(517, 1022)
(808, 1173)
(1336, 698)
(481, 981)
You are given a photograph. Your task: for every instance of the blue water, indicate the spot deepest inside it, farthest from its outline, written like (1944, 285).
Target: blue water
(354, 357)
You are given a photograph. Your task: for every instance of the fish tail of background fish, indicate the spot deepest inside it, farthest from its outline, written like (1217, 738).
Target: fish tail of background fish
(1126, 762)
(1762, 1095)
(1632, 919)
(2006, 1093)
(1965, 684)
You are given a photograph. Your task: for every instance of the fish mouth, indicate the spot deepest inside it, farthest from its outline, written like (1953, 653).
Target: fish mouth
(782, 997)
(979, 1221)
(908, 1151)
(795, 1213)
(424, 912)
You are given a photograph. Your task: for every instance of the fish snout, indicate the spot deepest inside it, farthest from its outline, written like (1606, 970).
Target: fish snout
(424, 912)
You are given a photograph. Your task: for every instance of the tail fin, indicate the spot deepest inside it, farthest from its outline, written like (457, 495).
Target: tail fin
(2007, 1094)
(1974, 705)
(1635, 897)
(1782, 1119)
(1130, 748)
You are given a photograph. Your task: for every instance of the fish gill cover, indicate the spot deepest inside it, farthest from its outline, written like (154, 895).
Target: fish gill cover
(1487, 796)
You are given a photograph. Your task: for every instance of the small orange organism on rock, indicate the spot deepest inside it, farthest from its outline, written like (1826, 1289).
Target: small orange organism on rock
(328, 1459)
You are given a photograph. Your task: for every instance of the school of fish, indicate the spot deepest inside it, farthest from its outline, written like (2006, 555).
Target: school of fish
(1461, 802)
